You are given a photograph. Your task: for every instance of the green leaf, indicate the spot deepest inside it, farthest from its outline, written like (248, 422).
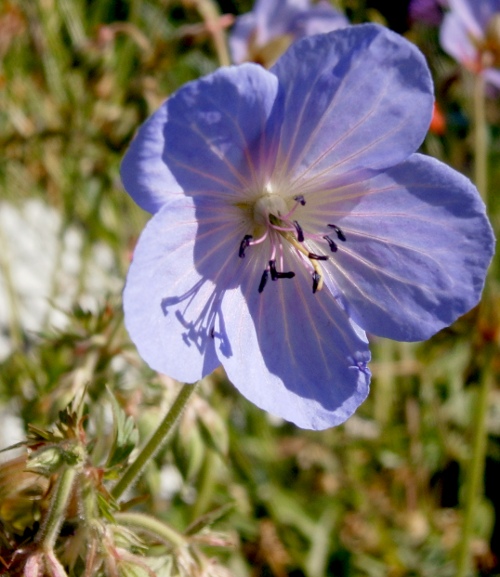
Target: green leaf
(126, 435)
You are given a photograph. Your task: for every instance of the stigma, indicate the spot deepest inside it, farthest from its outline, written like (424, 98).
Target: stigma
(278, 222)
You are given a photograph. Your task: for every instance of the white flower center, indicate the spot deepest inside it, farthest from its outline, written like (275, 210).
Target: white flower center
(272, 214)
(269, 203)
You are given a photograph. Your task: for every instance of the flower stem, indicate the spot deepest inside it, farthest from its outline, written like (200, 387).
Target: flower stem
(206, 485)
(214, 22)
(475, 470)
(480, 138)
(386, 382)
(155, 443)
(62, 493)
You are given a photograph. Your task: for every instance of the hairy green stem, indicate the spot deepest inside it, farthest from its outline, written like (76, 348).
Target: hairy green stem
(155, 443)
(60, 498)
(152, 526)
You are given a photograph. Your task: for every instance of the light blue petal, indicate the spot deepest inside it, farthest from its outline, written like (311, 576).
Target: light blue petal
(318, 19)
(360, 97)
(271, 19)
(295, 354)
(472, 14)
(492, 75)
(144, 174)
(216, 131)
(417, 250)
(275, 16)
(242, 34)
(475, 13)
(207, 138)
(170, 301)
(456, 40)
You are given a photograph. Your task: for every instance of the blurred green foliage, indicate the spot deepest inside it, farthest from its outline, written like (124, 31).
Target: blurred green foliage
(377, 497)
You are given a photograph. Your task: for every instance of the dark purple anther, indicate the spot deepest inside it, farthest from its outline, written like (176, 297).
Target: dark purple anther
(263, 280)
(243, 245)
(300, 199)
(331, 244)
(339, 233)
(275, 275)
(316, 279)
(300, 232)
(317, 256)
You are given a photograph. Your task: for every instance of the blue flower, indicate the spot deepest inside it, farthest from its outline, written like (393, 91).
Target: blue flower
(471, 34)
(263, 34)
(291, 214)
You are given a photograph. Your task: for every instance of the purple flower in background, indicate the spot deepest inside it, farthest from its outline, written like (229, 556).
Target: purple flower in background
(471, 34)
(428, 11)
(291, 214)
(263, 34)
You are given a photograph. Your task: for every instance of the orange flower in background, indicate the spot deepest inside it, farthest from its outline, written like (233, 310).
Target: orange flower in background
(438, 121)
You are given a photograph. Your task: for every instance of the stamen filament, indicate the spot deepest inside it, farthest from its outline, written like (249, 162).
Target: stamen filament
(299, 200)
(282, 228)
(281, 256)
(259, 240)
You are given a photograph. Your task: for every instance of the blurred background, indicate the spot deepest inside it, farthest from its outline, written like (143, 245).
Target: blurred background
(381, 496)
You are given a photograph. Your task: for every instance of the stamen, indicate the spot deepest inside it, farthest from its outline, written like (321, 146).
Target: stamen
(331, 244)
(244, 244)
(316, 281)
(258, 240)
(281, 229)
(300, 232)
(263, 280)
(274, 272)
(338, 231)
(276, 223)
(299, 199)
(275, 275)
